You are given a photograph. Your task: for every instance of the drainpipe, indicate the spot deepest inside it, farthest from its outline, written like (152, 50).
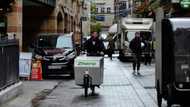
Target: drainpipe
(132, 3)
(82, 13)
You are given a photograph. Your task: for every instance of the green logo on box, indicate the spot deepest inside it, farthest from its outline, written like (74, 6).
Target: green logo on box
(185, 3)
(92, 63)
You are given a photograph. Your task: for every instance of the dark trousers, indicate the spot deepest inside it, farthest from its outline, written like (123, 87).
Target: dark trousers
(136, 62)
(147, 59)
(110, 52)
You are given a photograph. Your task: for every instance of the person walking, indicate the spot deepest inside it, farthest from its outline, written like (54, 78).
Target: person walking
(94, 45)
(111, 47)
(147, 52)
(135, 46)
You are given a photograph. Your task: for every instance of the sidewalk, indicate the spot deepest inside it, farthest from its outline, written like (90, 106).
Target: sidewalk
(31, 90)
(142, 83)
(120, 89)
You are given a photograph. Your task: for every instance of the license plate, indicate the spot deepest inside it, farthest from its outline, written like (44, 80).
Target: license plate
(54, 67)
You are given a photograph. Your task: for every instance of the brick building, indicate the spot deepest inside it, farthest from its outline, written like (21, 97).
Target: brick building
(11, 15)
(86, 18)
(29, 18)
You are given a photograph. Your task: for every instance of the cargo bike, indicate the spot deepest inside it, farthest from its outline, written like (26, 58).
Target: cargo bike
(89, 72)
(173, 61)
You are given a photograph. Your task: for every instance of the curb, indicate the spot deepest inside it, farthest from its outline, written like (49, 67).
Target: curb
(11, 92)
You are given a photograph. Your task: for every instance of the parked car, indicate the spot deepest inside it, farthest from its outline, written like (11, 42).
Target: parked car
(57, 53)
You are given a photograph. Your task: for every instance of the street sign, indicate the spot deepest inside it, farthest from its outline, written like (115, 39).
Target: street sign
(3, 24)
(185, 3)
(100, 18)
(123, 13)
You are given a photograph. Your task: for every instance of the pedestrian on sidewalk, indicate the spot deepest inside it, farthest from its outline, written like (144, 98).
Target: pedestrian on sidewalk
(135, 46)
(111, 47)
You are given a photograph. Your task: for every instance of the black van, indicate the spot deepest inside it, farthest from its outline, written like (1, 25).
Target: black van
(173, 62)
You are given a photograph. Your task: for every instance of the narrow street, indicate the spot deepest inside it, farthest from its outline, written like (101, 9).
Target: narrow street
(120, 89)
(42, 40)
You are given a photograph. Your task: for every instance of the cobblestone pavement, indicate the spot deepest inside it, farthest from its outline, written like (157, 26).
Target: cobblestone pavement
(120, 89)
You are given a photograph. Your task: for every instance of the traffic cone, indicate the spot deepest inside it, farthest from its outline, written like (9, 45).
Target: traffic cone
(36, 71)
(39, 70)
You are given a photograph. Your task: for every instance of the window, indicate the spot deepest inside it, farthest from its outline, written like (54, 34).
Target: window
(108, 10)
(96, 10)
(64, 41)
(123, 6)
(102, 10)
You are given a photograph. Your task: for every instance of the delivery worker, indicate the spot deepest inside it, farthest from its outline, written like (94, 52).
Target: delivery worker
(94, 45)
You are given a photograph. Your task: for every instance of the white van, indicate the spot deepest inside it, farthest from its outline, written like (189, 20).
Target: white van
(129, 26)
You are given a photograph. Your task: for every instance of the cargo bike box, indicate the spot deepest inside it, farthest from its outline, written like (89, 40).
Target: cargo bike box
(89, 72)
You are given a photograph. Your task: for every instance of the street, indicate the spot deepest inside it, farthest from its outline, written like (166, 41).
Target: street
(39, 38)
(120, 89)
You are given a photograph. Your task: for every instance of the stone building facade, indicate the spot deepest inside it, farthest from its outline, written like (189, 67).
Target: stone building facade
(104, 13)
(86, 19)
(29, 18)
(13, 19)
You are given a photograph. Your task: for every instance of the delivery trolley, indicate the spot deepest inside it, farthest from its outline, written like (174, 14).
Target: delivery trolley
(173, 61)
(89, 72)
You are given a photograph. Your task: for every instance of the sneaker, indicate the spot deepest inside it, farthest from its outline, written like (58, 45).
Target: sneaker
(138, 73)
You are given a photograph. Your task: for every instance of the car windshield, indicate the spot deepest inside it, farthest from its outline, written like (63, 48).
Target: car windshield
(130, 35)
(64, 42)
(47, 41)
(144, 35)
(181, 39)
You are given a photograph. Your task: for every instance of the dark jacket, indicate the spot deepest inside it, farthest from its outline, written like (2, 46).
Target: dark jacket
(147, 47)
(94, 46)
(135, 45)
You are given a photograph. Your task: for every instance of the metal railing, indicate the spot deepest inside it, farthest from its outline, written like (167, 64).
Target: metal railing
(9, 66)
